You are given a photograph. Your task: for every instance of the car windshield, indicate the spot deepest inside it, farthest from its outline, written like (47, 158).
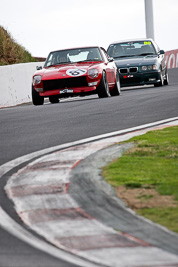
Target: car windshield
(73, 56)
(131, 49)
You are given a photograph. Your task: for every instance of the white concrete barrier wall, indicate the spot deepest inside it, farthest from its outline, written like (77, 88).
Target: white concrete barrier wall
(16, 82)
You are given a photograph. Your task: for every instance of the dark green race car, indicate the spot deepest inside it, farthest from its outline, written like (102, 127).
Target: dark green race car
(139, 62)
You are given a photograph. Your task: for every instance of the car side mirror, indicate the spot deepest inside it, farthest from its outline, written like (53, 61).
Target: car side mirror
(111, 59)
(39, 67)
(161, 52)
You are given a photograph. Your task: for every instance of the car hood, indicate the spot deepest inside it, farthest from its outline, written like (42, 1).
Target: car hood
(136, 61)
(65, 71)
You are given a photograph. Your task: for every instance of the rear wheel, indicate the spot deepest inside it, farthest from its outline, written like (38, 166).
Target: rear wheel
(116, 90)
(103, 88)
(36, 98)
(53, 99)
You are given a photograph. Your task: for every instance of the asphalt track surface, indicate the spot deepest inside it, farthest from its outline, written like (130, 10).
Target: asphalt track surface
(25, 129)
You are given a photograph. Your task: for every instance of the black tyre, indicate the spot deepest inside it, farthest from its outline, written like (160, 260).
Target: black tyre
(36, 98)
(166, 80)
(117, 89)
(161, 83)
(53, 99)
(103, 88)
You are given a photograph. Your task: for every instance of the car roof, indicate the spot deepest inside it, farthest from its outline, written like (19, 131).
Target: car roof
(133, 40)
(81, 47)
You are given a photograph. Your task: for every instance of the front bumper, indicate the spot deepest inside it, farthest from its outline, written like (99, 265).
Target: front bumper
(64, 92)
(138, 78)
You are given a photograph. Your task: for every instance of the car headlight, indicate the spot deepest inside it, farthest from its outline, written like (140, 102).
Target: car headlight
(155, 67)
(36, 79)
(149, 67)
(93, 73)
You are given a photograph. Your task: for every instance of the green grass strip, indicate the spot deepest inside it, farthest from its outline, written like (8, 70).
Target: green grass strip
(168, 217)
(152, 162)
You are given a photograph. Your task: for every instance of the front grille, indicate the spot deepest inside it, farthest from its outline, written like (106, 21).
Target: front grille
(133, 69)
(123, 71)
(65, 83)
(130, 70)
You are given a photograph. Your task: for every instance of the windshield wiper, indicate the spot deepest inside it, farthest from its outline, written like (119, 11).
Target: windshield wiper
(87, 60)
(146, 54)
(59, 63)
(56, 64)
(126, 56)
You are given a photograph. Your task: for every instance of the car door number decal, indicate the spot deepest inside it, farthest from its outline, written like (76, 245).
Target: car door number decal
(76, 72)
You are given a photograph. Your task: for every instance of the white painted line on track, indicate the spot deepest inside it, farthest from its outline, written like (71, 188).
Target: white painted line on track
(109, 139)
(52, 201)
(130, 257)
(15, 229)
(66, 228)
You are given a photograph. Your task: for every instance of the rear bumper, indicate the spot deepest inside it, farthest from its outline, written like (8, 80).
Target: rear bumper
(139, 79)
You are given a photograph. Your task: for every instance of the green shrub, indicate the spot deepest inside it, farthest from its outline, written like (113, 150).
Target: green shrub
(11, 52)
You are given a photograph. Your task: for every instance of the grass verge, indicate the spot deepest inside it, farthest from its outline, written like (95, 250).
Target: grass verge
(146, 176)
(10, 51)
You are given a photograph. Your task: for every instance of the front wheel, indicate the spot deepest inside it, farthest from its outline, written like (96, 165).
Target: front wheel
(116, 90)
(36, 98)
(53, 99)
(161, 83)
(103, 88)
(166, 80)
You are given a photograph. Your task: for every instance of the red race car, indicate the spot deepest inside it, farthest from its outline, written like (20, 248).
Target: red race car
(75, 72)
